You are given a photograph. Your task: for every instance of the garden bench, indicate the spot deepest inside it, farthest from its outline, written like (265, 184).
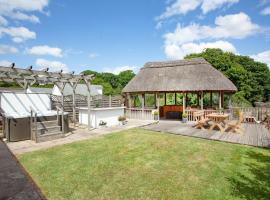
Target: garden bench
(200, 119)
(235, 125)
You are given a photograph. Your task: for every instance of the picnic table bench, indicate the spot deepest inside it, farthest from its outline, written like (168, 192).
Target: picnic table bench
(218, 120)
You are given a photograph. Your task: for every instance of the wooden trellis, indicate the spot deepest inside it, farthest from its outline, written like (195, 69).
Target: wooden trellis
(28, 76)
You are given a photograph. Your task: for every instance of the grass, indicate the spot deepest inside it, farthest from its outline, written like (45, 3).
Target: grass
(140, 164)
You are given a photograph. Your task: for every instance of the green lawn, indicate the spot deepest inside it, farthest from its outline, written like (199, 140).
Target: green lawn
(140, 164)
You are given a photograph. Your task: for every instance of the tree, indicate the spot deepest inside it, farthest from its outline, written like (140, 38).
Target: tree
(125, 76)
(251, 78)
(112, 84)
(110, 78)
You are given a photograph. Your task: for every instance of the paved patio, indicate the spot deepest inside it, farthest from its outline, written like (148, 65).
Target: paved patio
(78, 134)
(254, 135)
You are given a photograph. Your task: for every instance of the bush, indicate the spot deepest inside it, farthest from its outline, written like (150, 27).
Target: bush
(184, 115)
(121, 118)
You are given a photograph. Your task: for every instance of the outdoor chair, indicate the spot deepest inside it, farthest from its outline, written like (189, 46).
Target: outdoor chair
(250, 118)
(266, 121)
(200, 119)
(235, 125)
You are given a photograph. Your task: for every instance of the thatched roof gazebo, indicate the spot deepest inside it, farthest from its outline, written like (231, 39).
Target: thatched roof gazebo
(180, 76)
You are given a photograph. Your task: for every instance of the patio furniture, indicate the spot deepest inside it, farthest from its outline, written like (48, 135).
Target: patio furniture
(218, 120)
(200, 119)
(249, 118)
(235, 125)
(266, 121)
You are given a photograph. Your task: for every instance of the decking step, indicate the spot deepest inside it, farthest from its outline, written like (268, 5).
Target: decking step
(45, 124)
(49, 136)
(50, 129)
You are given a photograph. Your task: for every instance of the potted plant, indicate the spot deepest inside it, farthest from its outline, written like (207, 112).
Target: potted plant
(184, 117)
(155, 113)
(102, 123)
(122, 120)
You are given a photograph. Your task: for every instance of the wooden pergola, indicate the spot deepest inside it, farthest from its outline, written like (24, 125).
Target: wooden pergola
(28, 77)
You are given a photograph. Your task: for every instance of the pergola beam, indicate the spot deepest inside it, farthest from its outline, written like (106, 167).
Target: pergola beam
(30, 71)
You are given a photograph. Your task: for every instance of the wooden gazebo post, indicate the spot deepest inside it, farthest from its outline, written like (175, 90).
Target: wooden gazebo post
(88, 102)
(220, 101)
(157, 102)
(198, 99)
(184, 102)
(142, 102)
(129, 100)
(211, 99)
(201, 100)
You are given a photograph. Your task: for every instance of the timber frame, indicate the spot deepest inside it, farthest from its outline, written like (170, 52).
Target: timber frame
(28, 77)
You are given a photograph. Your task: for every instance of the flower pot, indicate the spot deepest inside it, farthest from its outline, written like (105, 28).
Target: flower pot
(184, 120)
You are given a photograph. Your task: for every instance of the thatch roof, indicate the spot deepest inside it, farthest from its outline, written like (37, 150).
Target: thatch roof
(182, 75)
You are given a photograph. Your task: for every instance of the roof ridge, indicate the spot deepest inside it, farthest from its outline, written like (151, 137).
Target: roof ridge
(192, 61)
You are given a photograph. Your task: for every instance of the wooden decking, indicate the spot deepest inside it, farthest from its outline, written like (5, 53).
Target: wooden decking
(254, 135)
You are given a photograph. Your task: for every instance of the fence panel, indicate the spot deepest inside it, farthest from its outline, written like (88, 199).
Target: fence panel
(99, 101)
(137, 113)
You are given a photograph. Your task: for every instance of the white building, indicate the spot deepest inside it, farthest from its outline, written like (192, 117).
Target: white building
(80, 89)
(38, 90)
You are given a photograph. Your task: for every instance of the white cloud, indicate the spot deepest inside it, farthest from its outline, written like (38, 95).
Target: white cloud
(266, 11)
(210, 5)
(29, 5)
(6, 49)
(235, 26)
(5, 63)
(184, 6)
(117, 70)
(52, 65)
(3, 21)
(93, 55)
(180, 7)
(18, 34)
(45, 50)
(262, 57)
(180, 51)
(16, 9)
(22, 16)
(188, 39)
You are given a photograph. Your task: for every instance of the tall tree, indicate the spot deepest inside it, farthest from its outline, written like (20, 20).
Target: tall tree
(125, 77)
(250, 77)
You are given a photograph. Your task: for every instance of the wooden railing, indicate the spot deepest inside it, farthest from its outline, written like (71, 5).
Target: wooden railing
(258, 113)
(138, 113)
(147, 114)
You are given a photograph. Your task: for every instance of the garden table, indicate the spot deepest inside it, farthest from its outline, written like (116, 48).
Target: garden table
(218, 120)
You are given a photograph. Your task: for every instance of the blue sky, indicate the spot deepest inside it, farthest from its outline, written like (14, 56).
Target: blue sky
(115, 35)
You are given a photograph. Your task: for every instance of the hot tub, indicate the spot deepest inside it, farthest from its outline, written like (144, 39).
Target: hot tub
(98, 115)
(18, 127)
(16, 111)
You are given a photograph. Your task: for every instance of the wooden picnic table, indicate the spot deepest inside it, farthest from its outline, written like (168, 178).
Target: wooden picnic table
(218, 120)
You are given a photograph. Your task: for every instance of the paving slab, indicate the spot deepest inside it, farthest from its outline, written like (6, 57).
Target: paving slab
(78, 134)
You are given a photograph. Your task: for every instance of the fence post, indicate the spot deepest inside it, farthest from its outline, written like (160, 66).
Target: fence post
(110, 100)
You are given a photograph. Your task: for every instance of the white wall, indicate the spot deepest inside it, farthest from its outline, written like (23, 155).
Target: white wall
(109, 115)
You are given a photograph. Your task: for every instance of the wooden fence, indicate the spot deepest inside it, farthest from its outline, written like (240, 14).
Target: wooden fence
(137, 113)
(257, 112)
(99, 101)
